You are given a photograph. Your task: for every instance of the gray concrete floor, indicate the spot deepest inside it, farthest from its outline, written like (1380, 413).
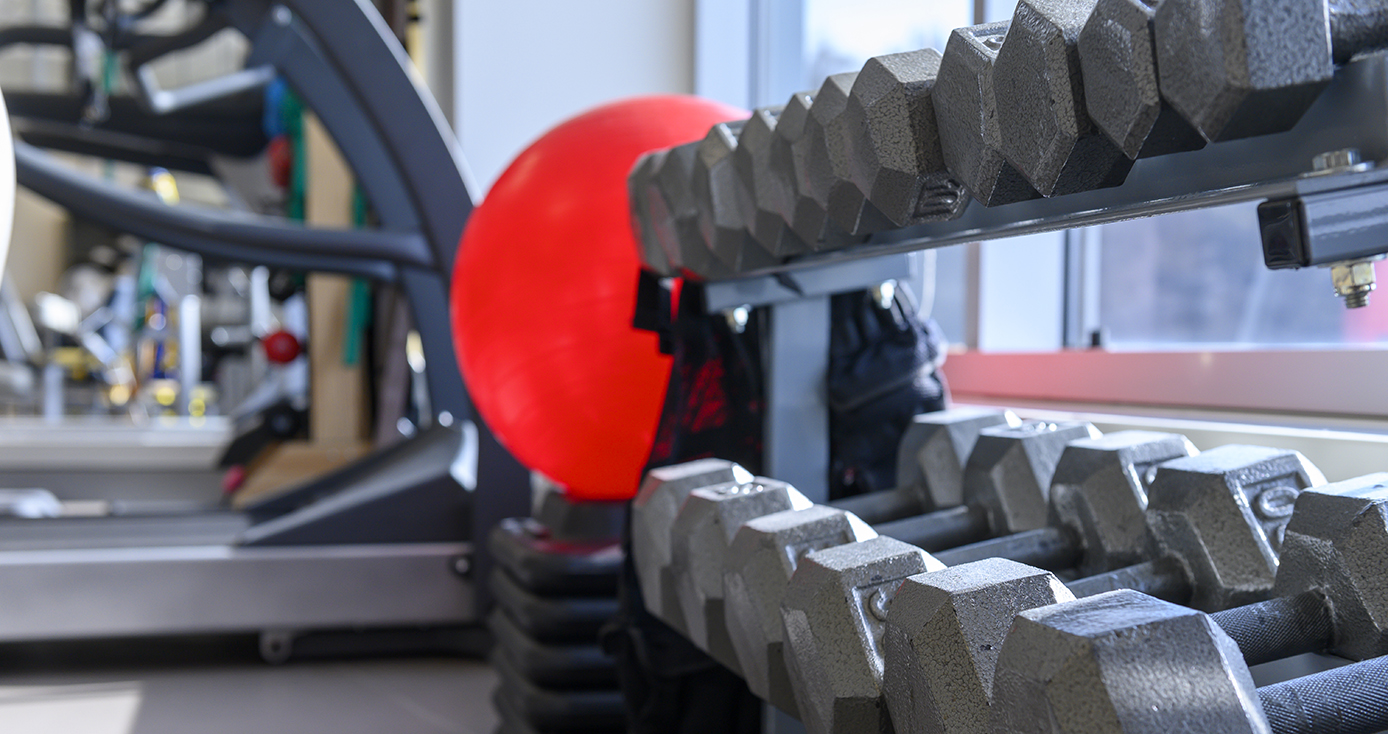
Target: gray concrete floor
(220, 686)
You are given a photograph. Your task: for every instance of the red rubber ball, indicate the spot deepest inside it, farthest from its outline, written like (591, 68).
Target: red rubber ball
(543, 293)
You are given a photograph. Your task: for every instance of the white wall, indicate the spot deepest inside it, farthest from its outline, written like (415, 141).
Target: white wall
(521, 66)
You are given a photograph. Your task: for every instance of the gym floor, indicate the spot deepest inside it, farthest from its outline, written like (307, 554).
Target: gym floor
(220, 686)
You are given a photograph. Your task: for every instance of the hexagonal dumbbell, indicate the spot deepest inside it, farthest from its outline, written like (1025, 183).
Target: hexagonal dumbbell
(834, 611)
(1218, 519)
(1238, 68)
(816, 177)
(966, 112)
(699, 540)
(1006, 479)
(641, 187)
(653, 513)
(670, 221)
(770, 194)
(943, 636)
(1330, 594)
(930, 462)
(1118, 59)
(1046, 131)
(1094, 516)
(889, 135)
(718, 194)
(760, 562)
(1127, 663)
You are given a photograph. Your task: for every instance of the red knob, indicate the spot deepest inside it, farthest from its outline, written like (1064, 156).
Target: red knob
(281, 347)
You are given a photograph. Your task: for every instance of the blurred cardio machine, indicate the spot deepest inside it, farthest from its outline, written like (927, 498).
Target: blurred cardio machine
(387, 542)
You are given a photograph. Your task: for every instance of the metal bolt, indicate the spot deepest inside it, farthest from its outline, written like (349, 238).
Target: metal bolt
(1354, 280)
(462, 565)
(884, 294)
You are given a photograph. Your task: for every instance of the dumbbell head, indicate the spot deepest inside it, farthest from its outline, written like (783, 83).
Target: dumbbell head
(760, 561)
(1118, 60)
(699, 541)
(641, 188)
(834, 612)
(653, 513)
(769, 193)
(1009, 472)
(943, 637)
(1099, 492)
(1238, 68)
(1121, 662)
(718, 194)
(934, 448)
(966, 108)
(1046, 130)
(814, 170)
(893, 146)
(1223, 513)
(1337, 543)
(674, 215)
(790, 127)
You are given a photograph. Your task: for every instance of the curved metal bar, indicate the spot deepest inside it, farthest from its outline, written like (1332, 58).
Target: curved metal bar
(404, 117)
(215, 232)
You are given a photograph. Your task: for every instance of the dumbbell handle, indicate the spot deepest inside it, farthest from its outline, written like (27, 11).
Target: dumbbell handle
(1279, 628)
(941, 529)
(1349, 700)
(880, 507)
(1357, 26)
(1049, 548)
(1264, 631)
(1164, 578)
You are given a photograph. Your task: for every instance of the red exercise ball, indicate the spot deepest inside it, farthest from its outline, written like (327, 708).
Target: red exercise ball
(544, 289)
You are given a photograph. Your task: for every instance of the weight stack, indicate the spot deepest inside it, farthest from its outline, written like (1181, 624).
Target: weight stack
(555, 584)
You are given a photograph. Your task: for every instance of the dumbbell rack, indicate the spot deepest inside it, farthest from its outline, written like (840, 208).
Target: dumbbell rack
(1350, 113)
(1319, 219)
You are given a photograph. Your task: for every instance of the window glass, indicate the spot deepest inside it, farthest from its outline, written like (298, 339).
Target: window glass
(1198, 278)
(840, 35)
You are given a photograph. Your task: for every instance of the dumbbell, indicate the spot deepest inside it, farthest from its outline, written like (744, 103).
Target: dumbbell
(669, 220)
(1006, 481)
(641, 187)
(1330, 594)
(1092, 517)
(718, 194)
(699, 540)
(784, 164)
(653, 513)
(1045, 128)
(759, 564)
(888, 135)
(1238, 68)
(1118, 61)
(770, 195)
(1192, 505)
(942, 661)
(1126, 663)
(821, 168)
(966, 107)
(930, 461)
